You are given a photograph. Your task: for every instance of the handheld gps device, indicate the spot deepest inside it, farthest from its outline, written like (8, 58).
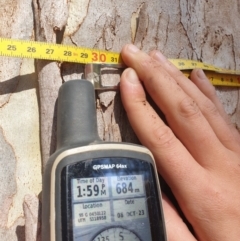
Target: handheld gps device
(93, 190)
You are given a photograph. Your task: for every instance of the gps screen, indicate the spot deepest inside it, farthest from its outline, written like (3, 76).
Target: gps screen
(111, 199)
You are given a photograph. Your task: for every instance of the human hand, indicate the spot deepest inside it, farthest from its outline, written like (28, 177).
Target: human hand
(198, 154)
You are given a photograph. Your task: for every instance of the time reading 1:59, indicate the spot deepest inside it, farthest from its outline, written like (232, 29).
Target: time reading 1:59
(91, 190)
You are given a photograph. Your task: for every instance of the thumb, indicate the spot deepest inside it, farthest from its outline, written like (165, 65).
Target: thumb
(176, 229)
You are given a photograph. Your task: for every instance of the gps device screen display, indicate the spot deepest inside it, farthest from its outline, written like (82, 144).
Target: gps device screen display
(111, 199)
(94, 197)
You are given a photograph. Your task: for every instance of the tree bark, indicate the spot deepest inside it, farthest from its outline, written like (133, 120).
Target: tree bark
(204, 30)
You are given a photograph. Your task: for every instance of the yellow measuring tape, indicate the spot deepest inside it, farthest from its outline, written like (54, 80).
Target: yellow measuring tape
(65, 53)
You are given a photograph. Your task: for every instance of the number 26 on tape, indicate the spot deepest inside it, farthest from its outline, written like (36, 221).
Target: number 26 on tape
(98, 57)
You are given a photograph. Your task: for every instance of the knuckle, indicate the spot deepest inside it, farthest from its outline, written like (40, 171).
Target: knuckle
(188, 108)
(149, 62)
(164, 137)
(209, 107)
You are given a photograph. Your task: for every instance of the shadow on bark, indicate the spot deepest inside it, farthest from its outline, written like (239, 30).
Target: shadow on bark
(20, 233)
(11, 85)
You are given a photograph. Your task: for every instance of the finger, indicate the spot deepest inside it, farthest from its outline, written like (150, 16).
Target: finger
(202, 82)
(182, 112)
(207, 107)
(176, 229)
(174, 162)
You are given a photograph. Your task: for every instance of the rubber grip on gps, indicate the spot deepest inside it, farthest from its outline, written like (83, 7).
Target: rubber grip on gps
(76, 114)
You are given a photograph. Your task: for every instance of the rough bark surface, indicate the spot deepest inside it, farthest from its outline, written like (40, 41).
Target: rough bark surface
(204, 30)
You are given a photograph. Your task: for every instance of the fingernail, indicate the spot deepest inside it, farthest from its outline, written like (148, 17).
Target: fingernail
(131, 76)
(201, 74)
(132, 48)
(159, 56)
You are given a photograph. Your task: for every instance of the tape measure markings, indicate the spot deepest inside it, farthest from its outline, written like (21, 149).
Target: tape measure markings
(219, 79)
(57, 52)
(75, 54)
(186, 64)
